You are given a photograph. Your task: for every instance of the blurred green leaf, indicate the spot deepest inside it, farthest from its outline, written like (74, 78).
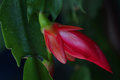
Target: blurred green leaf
(80, 11)
(2, 45)
(34, 6)
(74, 14)
(51, 7)
(1, 2)
(78, 5)
(35, 70)
(92, 7)
(82, 73)
(13, 28)
(80, 2)
(36, 38)
(18, 34)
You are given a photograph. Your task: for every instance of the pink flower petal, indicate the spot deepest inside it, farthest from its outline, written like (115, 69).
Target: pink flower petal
(73, 53)
(55, 45)
(60, 27)
(81, 55)
(46, 40)
(80, 46)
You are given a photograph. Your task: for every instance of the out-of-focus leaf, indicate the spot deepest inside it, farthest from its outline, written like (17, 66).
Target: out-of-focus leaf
(15, 27)
(34, 6)
(36, 38)
(80, 2)
(92, 7)
(82, 73)
(51, 7)
(77, 5)
(2, 45)
(0, 2)
(79, 11)
(35, 70)
(74, 14)
(88, 7)
(13, 30)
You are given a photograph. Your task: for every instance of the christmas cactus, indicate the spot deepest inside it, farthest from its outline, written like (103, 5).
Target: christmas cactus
(58, 37)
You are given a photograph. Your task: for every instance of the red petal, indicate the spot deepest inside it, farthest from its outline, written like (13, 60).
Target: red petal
(65, 27)
(69, 57)
(46, 39)
(80, 46)
(55, 45)
(73, 53)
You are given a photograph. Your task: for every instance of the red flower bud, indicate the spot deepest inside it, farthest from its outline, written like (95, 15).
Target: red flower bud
(66, 43)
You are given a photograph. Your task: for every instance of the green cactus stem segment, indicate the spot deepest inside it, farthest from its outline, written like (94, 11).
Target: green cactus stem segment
(44, 22)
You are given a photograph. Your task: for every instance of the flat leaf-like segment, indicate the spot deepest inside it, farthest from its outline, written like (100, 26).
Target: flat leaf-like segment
(50, 7)
(2, 45)
(53, 7)
(20, 36)
(35, 70)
